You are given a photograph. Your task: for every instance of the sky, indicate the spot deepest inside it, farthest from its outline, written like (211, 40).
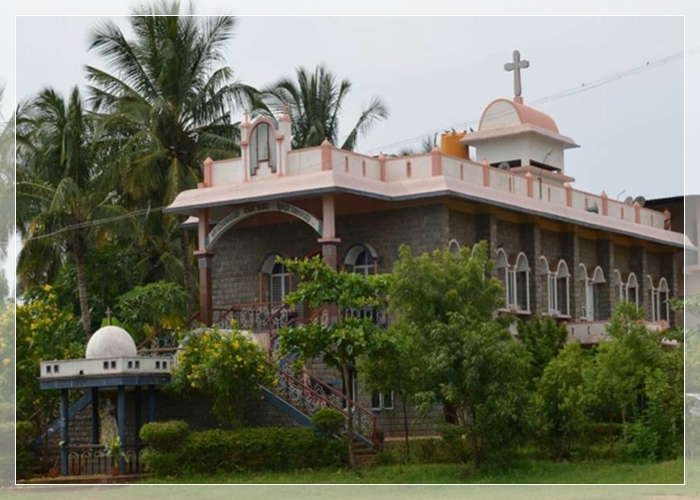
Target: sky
(436, 73)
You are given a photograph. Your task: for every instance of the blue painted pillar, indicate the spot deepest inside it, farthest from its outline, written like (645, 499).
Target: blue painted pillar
(151, 403)
(64, 432)
(137, 412)
(121, 423)
(95, 415)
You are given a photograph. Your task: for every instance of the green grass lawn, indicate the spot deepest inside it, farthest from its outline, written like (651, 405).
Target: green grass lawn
(324, 484)
(526, 472)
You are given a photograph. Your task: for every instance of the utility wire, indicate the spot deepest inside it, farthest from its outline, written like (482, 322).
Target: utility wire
(554, 97)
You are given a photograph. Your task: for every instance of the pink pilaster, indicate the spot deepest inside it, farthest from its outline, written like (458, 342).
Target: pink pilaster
(280, 160)
(208, 164)
(436, 161)
(329, 243)
(326, 155)
(204, 258)
(244, 155)
(667, 219)
(569, 194)
(382, 167)
(487, 172)
(604, 199)
(530, 185)
(637, 212)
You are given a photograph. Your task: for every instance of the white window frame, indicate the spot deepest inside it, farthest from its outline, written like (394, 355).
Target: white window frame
(285, 279)
(518, 269)
(381, 398)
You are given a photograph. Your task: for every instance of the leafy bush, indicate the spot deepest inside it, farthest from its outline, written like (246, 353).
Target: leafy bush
(329, 421)
(247, 449)
(227, 366)
(165, 436)
(24, 458)
(162, 463)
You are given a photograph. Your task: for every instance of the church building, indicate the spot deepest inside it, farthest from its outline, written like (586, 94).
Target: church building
(559, 251)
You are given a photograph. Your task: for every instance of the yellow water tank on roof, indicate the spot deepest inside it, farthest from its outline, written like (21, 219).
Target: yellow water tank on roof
(450, 145)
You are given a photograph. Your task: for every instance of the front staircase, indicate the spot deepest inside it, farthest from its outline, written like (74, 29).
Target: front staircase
(297, 394)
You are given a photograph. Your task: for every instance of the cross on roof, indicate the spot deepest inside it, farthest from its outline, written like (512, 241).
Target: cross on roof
(515, 67)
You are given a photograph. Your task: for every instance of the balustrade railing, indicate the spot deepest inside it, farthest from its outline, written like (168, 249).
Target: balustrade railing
(255, 317)
(92, 459)
(309, 394)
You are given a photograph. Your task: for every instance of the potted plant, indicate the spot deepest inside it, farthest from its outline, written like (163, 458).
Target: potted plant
(113, 449)
(54, 470)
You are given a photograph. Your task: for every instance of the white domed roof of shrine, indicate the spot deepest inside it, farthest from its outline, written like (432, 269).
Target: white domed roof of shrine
(503, 113)
(110, 342)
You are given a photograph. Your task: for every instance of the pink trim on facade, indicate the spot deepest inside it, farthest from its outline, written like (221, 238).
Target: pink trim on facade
(526, 114)
(569, 194)
(436, 161)
(207, 172)
(604, 199)
(328, 216)
(637, 212)
(530, 185)
(382, 167)
(486, 172)
(290, 186)
(326, 155)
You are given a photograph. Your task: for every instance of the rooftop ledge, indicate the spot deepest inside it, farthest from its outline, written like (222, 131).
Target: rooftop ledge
(326, 169)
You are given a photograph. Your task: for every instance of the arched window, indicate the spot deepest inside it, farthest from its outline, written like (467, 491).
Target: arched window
(632, 290)
(662, 305)
(592, 283)
(621, 286)
(361, 259)
(454, 247)
(276, 281)
(263, 147)
(561, 279)
(522, 283)
(506, 275)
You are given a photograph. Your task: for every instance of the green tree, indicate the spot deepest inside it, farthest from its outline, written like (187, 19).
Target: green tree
(63, 199)
(633, 369)
(44, 332)
(167, 100)
(471, 360)
(394, 365)
(314, 101)
(563, 400)
(346, 338)
(149, 309)
(543, 338)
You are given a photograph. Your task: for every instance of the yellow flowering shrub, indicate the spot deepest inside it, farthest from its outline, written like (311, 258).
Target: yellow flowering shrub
(44, 332)
(225, 365)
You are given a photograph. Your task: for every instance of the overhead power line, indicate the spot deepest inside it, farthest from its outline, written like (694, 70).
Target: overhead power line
(552, 97)
(583, 87)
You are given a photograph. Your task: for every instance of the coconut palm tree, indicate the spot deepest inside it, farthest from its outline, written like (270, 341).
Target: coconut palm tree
(314, 102)
(63, 201)
(167, 99)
